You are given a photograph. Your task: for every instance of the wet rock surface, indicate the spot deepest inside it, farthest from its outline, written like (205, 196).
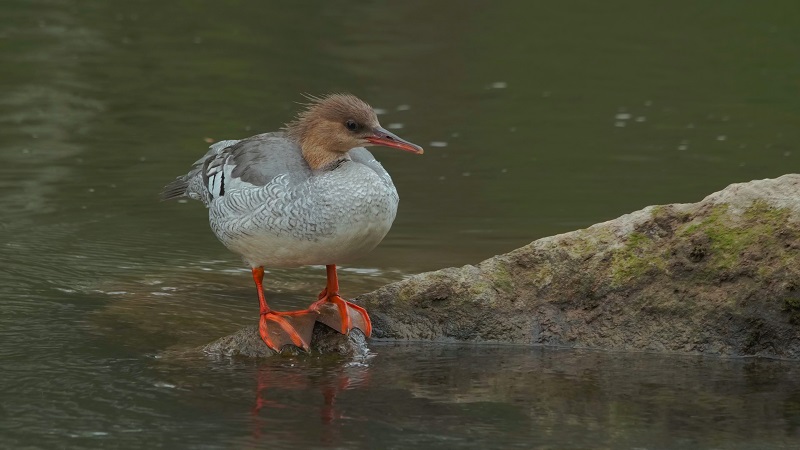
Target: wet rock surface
(721, 276)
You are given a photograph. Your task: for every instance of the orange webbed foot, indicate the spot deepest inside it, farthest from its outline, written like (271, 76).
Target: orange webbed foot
(341, 315)
(278, 329)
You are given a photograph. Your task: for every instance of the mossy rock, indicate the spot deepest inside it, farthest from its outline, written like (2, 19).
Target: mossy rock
(714, 277)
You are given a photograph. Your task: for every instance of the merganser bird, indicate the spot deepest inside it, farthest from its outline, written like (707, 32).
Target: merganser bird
(310, 194)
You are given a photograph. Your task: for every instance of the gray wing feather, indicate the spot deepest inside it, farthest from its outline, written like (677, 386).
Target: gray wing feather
(191, 185)
(239, 164)
(258, 161)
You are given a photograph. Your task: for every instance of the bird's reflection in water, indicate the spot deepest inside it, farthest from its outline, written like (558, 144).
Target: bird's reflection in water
(274, 382)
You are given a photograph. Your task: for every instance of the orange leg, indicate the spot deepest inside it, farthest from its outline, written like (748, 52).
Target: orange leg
(281, 328)
(345, 316)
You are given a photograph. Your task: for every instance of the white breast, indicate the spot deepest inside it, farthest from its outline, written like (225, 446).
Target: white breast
(330, 218)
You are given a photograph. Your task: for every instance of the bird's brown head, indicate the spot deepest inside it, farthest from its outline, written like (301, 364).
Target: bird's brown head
(332, 125)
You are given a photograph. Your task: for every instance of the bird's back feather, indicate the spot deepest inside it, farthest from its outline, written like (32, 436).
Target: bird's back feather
(251, 163)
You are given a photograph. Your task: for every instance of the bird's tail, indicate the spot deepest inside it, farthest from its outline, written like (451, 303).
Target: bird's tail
(176, 189)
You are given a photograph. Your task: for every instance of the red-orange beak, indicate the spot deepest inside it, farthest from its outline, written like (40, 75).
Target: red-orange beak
(383, 137)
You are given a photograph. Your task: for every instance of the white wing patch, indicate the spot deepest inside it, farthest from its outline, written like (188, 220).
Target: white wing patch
(216, 184)
(218, 174)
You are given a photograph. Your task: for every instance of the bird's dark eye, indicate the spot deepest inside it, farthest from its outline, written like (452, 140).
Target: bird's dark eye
(351, 125)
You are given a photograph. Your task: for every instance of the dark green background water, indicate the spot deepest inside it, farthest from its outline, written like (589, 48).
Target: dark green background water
(537, 118)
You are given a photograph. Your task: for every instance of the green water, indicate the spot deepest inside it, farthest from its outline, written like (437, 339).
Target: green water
(537, 118)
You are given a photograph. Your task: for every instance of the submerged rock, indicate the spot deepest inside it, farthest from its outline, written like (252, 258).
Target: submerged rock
(721, 276)
(325, 340)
